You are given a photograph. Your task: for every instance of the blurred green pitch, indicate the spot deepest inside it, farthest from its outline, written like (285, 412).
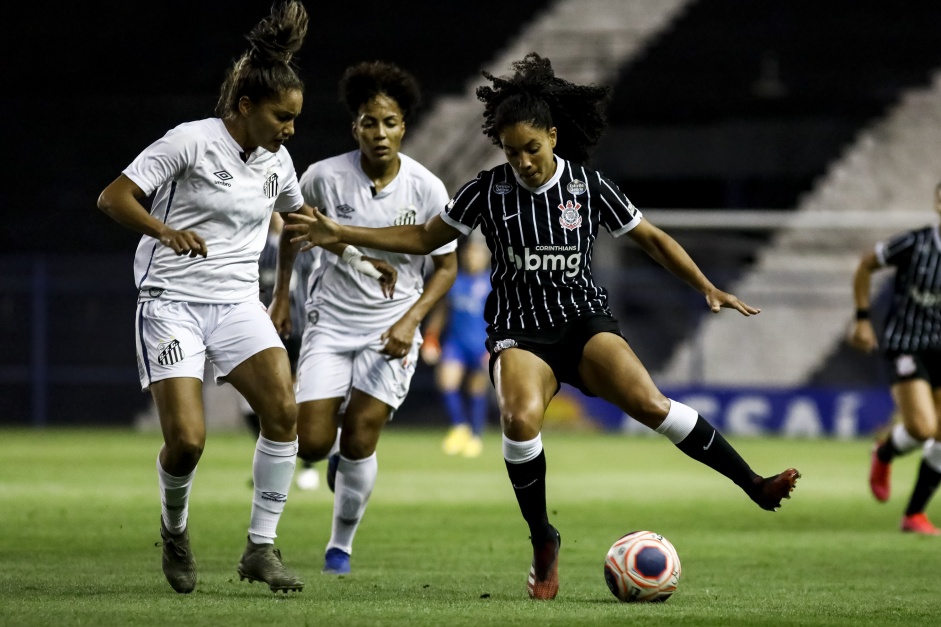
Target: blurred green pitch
(443, 543)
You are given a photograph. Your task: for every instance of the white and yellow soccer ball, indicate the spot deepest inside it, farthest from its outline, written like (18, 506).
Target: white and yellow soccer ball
(642, 566)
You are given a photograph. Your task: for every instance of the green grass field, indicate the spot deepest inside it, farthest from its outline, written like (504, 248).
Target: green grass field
(443, 542)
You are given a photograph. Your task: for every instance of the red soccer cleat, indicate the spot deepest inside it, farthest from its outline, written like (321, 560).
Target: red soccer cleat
(543, 582)
(769, 491)
(879, 474)
(919, 523)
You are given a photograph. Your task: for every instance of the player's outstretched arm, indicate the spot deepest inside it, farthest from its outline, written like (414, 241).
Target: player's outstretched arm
(668, 253)
(413, 239)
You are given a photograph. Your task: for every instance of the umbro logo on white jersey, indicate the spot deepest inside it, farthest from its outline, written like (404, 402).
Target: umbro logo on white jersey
(223, 177)
(345, 212)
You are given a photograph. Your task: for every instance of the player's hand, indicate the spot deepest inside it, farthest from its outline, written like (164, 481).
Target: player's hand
(862, 336)
(398, 339)
(280, 313)
(717, 300)
(389, 275)
(430, 351)
(318, 230)
(183, 242)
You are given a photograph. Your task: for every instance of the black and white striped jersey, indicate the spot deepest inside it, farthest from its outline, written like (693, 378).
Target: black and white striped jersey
(541, 241)
(914, 320)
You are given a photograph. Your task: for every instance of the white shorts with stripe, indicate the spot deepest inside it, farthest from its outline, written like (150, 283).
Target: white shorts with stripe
(332, 362)
(175, 338)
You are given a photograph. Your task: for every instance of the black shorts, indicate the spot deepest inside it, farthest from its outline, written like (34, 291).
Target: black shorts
(921, 365)
(561, 347)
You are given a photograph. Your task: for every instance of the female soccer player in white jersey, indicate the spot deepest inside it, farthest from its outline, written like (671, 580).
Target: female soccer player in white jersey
(911, 345)
(360, 346)
(215, 184)
(548, 320)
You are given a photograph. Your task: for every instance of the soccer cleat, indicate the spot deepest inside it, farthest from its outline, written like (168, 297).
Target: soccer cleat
(457, 438)
(308, 479)
(262, 562)
(880, 474)
(543, 581)
(473, 448)
(179, 566)
(919, 523)
(336, 562)
(332, 464)
(770, 490)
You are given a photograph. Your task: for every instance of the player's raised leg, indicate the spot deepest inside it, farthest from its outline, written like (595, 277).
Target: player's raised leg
(614, 373)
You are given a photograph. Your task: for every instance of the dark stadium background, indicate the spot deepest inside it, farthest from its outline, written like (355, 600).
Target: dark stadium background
(86, 87)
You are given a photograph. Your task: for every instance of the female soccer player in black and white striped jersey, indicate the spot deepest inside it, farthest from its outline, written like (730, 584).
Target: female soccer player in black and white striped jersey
(549, 321)
(911, 343)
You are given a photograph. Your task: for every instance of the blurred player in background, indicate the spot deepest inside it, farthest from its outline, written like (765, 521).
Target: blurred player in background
(360, 347)
(215, 184)
(911, 343)
(461, 357)
(549, 322)
(307, 477)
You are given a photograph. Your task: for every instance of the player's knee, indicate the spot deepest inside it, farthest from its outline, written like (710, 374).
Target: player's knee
(521, 423)
(185, 449)
(648, 409)
(280, 420)
(313, 449)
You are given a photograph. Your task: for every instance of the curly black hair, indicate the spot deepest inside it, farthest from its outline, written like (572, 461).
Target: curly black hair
(536, 96)
(363, 81)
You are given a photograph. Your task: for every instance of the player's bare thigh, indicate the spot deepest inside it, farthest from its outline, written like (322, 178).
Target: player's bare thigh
(524, 384)
(264, 379)
(362, 424)
(317, 424)
(916, 405)
(611, 370)
(179, 402)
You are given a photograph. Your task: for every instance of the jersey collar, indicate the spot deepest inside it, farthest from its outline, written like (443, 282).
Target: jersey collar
(388, 189)
(559, 167)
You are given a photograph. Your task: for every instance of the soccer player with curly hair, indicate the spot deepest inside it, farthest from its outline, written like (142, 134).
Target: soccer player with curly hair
(549, 320)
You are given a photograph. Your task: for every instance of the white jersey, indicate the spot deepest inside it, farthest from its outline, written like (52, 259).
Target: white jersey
(338, 295)
(200, 183)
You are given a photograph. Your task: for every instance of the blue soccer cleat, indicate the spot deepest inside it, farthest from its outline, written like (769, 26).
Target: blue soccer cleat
(336, 562)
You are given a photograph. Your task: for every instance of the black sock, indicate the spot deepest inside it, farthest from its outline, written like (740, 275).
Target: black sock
(705, 444)
(925, 486)
(886, 451)
(529, 483)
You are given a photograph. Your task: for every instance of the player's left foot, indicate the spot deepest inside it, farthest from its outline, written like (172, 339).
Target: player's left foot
(769, 491)
(543, 581)
(336, 562)
(262, 562)
(919, 523)
(332, 464)
(308, 479)
(179, 566)
(879, 476)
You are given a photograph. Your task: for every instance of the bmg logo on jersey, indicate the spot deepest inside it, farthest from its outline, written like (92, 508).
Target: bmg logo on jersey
(550, 260)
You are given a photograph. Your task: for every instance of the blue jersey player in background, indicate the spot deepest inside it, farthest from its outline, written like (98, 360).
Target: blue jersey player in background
(461, 357)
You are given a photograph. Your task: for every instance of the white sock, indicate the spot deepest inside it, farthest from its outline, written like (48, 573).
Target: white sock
(903, 441)
(272, 471)
(932, 453)
(174, 498)
(679, 422)
(354, 484)
(521, 452)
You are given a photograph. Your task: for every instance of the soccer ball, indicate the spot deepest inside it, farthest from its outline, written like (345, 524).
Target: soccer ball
(642, 566)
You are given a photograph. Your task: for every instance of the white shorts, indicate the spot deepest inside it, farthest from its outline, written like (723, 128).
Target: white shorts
(333, 362)
(174, 338)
